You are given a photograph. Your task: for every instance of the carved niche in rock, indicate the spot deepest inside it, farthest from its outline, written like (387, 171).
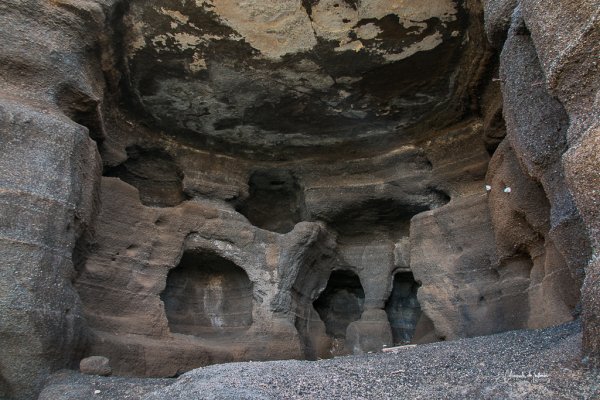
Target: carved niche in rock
(207, 294)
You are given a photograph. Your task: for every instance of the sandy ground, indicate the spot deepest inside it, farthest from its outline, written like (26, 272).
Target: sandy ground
(534, 364)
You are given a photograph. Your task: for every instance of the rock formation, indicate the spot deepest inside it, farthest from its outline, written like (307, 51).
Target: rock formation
(203, 181)
(551, 90)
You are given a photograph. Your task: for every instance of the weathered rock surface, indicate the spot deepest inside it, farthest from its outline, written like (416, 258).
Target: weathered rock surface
(49, 170)
(551, 109)
(572, 74)
(306, 75)
(196, 182)
(95, 365)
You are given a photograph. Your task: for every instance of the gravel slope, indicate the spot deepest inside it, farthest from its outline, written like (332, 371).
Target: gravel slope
(534, 364)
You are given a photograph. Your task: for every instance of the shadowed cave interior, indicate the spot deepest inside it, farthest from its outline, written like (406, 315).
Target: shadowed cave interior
(274, 202)
(207, 294)
(340, 303)
(402, 308)
(154, 173)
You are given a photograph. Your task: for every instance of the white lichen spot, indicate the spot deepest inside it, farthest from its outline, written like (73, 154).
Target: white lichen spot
(367, 31)
(336, 20)
(409, 10)
(507, 189)
(137, 40)
(274, 27)
(421, 26)
(180, 40)
(333, 19)
(187, 41)
(175, 15)
(488, 188)
(427, 43)
(198, 63)
(355, 45)
(279, 27)
(159, 41)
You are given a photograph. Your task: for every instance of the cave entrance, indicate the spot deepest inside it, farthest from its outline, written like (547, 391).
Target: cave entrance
(275, 201)
(340, 303)
(402, 308)
(207, 294)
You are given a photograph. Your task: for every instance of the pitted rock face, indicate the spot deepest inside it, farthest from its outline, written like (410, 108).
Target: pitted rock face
(272, 77)
(190, 182)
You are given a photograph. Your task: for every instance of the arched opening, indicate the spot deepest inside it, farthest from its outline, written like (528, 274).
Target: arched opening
(402, 308)
(207, 294)
(275, 202)
(340, 303)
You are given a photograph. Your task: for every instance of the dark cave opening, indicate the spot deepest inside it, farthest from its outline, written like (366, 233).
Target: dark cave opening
(340, 303)
(207, 294)
(402, 308)
(384, 217)
(275, 202)
(375, 216)
(154, 173)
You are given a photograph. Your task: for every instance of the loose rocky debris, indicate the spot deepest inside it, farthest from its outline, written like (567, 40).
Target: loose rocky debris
(71, 385)
(529, 364)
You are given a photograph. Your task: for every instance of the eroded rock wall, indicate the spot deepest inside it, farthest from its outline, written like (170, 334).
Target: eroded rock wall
(550, 85)
(195, 182)
(50, 170)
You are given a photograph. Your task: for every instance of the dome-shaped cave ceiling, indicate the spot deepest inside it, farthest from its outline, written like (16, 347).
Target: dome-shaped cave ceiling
(276, 78)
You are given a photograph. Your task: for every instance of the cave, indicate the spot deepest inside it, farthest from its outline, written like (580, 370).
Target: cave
(274, 202)
(290, 147)
(402, 308)
(340, 303)
(154, 173)
(207, 294)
